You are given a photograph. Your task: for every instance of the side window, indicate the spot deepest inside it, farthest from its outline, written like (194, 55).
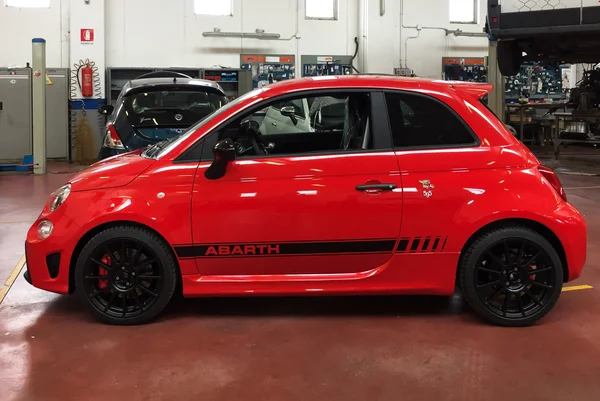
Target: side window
(418, 120)
(336, 122)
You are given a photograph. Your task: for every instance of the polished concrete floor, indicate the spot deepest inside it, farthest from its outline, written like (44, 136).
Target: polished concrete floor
(361, 348)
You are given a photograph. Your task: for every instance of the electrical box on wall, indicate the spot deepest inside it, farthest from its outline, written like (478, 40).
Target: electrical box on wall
(469, 69)
(267, 69)
(314, 66)
(403, 72)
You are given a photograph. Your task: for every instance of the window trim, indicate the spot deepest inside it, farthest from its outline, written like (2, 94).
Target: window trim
(476, 141)
(377, 125)
(475, 19)
(335, 12)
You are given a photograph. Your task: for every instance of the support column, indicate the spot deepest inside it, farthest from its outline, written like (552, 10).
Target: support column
(38, 64)
(496, 97)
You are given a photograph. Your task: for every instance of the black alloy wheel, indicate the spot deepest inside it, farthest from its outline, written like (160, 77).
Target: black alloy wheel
(127, 275)
(511, 276)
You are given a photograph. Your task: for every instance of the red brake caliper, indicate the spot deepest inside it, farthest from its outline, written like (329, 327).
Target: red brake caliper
(103, 272)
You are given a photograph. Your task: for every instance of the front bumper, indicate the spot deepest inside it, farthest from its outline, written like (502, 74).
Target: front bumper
(48, 259)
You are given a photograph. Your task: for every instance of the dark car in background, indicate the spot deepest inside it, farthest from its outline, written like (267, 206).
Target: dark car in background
(150, 110)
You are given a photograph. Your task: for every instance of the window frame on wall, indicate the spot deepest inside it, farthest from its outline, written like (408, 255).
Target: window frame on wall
(334, 4)
(200, 3)
(457, 4)
(27, 3)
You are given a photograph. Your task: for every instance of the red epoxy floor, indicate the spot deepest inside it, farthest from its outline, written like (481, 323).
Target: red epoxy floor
(376, 348)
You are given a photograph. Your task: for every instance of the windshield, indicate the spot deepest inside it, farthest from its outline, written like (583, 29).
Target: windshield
(209, 117)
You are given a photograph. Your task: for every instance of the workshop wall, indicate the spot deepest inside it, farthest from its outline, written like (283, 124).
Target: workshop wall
(161, 33)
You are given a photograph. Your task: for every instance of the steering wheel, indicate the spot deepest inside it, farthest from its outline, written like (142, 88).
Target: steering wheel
(249, 129)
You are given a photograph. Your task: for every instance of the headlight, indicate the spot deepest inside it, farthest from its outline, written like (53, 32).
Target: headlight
(58, 197)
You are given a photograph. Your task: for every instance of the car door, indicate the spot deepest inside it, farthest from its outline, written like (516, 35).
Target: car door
(324, 212)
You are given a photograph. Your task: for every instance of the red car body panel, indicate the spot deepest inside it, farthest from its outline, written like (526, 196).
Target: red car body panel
(296, 224)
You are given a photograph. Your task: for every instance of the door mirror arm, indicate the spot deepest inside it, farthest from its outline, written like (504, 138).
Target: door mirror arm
(224, 152)
(288, 111)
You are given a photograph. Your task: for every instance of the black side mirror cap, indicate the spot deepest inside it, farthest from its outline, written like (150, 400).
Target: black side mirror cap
(224, 152)
(289, 111)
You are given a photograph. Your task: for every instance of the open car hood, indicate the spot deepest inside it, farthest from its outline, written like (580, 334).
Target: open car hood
(116, 171)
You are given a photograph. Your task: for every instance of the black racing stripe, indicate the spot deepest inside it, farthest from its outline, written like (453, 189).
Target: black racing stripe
(274, 249)
(425, 244)
(435, 244)
(403, 244)
(415, 244)
(444, 244)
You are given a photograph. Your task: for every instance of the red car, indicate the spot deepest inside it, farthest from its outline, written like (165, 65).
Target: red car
(411, 187)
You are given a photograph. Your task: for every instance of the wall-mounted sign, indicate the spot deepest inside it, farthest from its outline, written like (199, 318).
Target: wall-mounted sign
(87, 35)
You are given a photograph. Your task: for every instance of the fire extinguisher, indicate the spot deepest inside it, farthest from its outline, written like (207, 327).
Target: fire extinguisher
(86, 84)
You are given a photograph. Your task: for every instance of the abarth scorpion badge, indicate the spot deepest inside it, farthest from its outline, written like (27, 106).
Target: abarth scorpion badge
(427, 188)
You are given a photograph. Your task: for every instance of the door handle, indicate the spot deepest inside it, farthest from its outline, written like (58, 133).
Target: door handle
(374, 188)
(274, 124)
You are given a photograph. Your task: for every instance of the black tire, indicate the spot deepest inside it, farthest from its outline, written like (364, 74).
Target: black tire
(509, 57)
(528, 285)
(134, 280)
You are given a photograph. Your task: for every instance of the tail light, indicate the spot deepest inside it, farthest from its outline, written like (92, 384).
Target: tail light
(112, 139)
(552, 178)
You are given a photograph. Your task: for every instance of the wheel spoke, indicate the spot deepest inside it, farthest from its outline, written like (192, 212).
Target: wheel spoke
(145, 263)
(488, 284)
(495, 259)
(537, 283)
(507, 296)
(123, 253)
(98, 291)
(484, 269)
(103, 265)
(150, 277)
(147, 290)
(487, 301)
(137, 299)
(124, 303)
(506, 252)
(533, 297)
(521, 252)
(134, 256)
(110, 300)
(96, 277)
(520, 302)
(532, 259)
(111, 254)
(538, 271)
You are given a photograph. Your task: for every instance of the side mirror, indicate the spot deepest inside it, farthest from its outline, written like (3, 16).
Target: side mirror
(106, 109)
(288, 111)
(224, 152)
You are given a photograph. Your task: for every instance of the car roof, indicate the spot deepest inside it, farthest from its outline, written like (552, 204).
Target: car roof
(380, 81)
(174, 83)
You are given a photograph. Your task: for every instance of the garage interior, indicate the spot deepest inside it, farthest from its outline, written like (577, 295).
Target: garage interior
(284, 348)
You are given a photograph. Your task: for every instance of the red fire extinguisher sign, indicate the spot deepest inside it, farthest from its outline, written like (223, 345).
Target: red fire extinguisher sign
(87, 35)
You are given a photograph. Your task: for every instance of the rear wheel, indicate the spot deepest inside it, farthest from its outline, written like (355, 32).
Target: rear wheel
(509, 57)
(511, 276)
(126, 275)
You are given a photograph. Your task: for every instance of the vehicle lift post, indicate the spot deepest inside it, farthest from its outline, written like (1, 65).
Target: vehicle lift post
(39, 105)
(496, 96)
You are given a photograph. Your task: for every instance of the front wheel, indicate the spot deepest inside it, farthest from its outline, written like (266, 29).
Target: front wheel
(509, 57)
(126, 275)
(511, 276)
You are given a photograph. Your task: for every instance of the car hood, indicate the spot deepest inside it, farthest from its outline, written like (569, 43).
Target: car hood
(113, 172)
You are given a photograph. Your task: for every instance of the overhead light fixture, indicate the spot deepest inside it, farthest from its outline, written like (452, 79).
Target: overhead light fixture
(258, 34)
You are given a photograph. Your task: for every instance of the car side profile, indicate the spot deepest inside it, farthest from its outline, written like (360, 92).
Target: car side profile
(420, 188)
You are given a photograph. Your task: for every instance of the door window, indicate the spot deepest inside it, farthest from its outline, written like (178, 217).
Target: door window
(421, 121)
(335, 123)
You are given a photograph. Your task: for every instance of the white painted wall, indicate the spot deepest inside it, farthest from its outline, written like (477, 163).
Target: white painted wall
(164, 33)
